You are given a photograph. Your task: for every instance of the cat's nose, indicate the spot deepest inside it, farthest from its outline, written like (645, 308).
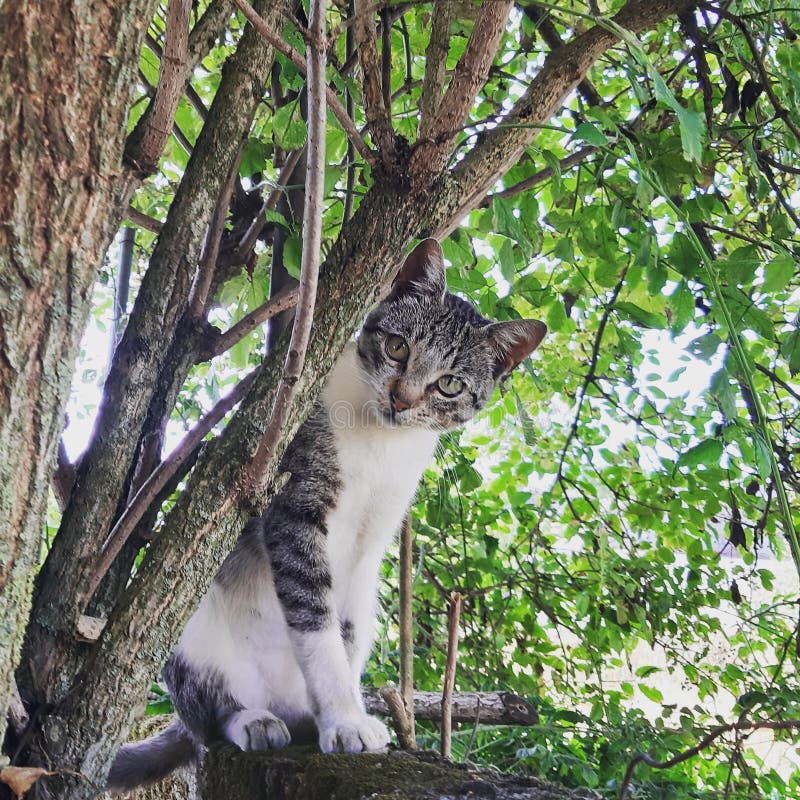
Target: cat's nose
(399, 403)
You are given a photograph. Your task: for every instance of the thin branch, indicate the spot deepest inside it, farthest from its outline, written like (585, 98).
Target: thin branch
(781, 111)
(407, 625)
(435, 63)
(275, 305)
(780, 725)
(258, 22)
(403, 725)
(591, 373)
(542, 175)
(144, 149)
(377, 113)
(142, 220)
(453, 618)
(312, 240)
(204, 276)
(126, 524)
(470, 75)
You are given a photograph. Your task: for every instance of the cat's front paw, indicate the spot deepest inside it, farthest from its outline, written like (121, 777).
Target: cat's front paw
(257, 729)
(353, 735)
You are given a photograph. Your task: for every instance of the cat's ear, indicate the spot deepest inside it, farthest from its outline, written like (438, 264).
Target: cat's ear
(513, 341)
(422, 272)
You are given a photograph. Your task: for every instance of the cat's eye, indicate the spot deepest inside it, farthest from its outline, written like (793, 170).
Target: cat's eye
(449, 385)
(397, 348)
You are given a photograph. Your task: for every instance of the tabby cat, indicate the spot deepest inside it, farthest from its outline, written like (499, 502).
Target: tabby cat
(275, 651)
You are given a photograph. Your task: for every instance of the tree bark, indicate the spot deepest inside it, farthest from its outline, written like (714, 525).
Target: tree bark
(144, 373)
(66, 72)
(489, 708)
(305, 774)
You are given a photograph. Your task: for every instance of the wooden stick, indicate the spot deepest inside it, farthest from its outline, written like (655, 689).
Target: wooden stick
(490, 708)
(453, 617)
(312, 240)
(396, 710)
(407, 626)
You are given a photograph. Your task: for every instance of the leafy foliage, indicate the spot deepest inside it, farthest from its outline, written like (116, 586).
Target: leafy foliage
(620, 520)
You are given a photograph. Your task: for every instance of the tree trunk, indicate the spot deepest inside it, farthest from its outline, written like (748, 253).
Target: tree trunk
(66, 72)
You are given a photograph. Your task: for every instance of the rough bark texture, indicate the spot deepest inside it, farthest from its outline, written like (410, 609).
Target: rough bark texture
(66, 71)
(302, 773)
(141, 364)
(305, 774)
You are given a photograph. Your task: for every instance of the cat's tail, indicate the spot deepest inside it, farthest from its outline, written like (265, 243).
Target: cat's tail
(140, 763)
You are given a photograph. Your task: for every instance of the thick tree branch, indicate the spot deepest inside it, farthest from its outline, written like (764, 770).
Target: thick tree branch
(491, 708)
(431, 154)
(138, 361)
(144, 148)
(435, 64)
(548, 31)
(562, 71)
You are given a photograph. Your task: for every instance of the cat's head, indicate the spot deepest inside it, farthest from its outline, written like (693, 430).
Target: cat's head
(430, 359)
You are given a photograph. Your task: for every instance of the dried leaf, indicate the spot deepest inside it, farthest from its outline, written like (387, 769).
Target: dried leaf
(736, 595)
(20, 779)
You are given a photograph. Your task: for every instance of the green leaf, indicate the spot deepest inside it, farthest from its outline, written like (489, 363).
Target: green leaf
(292, 255)
(722, 392)
(790, 350)
(288, 127)
(778, 273)
(651, 693)
(681, 306)
(647, 319)
(591, 134)
(708, 454)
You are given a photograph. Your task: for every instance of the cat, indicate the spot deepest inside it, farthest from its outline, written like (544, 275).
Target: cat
(274, 653)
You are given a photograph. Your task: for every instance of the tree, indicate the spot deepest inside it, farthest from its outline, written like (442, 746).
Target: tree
(629, 168)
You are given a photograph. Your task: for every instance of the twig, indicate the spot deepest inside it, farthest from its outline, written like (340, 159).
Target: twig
(435, 63)
(204, 276)
(126, 524)
(453, 617)
(312, 240)
(402, 723)
(282, 301)
(591, 373)
(407, 625)
(780, 725)
(258, 22)
(143, 220)
(542, 175)
(386, 59)
(758, 60)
